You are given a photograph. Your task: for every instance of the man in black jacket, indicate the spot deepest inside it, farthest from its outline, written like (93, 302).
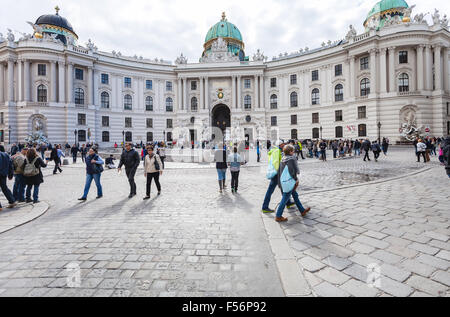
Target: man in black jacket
(366, 146)
(6, 171)
(130, 158)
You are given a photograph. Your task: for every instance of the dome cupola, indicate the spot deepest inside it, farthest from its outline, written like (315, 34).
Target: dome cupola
(386, 10)
(56, 24)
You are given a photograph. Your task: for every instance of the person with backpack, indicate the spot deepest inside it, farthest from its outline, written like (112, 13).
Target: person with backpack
(275, 158)
(33, 175)
(19, 179)
(234, 162)
(288, 182)
(376, 150)
(153, 169)
(6, 172)
(94, 170)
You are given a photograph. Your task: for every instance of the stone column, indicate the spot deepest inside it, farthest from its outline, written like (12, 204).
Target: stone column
(352, 79)
(413, 79)
(202, 94)
(26, 80)
(185, 104)
(96, 83)
(239, 95)
(2, 82)
(180, 95)
(383, 73)
(69, 83)
(373, 71)
(446, 68)
(428, 68)
(233, 92)
(207, 93)
(10, 80)
(90, 92)
(53, 87)
(392, 77)
(19, 80)
(257, 105)
(261, 91)
(119, 97)
(420, 73)
(437, 68)
(329, 86)
(62, 84)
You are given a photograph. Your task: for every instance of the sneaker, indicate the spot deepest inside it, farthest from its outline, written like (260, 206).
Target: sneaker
(306, 211)
(36, 202)
(98, 197)
(82, 199)
(14, 204)
(281, 219)
(159, 193)
(131, 195)
(268, 211)
(146, 197)
(290, 206)
(28, 200)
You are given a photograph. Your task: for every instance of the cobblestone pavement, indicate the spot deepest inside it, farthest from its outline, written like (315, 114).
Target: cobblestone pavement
(193, 241)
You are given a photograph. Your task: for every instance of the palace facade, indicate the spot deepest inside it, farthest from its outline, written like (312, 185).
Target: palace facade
(391, 81)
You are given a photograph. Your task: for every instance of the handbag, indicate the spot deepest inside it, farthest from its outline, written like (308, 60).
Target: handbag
(287, 181)
(157, 167)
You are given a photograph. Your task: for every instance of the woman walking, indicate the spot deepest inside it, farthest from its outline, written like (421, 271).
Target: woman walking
(235, 161)
(94, 169)
(289, 183)
(33, 175)
(153, 167)
(221, 166)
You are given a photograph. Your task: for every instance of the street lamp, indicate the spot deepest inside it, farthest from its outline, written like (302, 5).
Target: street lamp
(76, 133)
(9, 135)
(321, 128)
(123, 139)
(164, 136)
(379, 132)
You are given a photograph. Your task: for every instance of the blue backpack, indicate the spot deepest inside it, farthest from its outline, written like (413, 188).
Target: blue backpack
(286, 181)
(271, 171)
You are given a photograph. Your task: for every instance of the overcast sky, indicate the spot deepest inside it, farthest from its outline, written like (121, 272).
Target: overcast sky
(165, 28)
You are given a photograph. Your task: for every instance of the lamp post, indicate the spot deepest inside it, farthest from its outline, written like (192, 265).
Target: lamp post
(75, 133)
(9, 135)
(379, 132)
(321, 129)
(164, 136)
(123, 139)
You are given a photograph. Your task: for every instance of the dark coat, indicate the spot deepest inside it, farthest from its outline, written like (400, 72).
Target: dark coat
(74, 150)
(6, 166)
(220, 156)
(39, 178)
(366, 146)
(446, 150)
(130, 159)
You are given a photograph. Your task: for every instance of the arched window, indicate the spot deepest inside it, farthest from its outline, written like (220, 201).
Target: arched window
(247, 102)
(339, 93)
(169, 104)
(105, 136)
(294, 134)
(365, 87)
(194, 104)
(315, 133)
(128, 137)
(105, 100)
(315, 97)
(273, 102)
(294, 100)
(79, 96)
(128, 102)
(362, 130)
(339, 132)
(403, 83)
(149, 103)
(42, 93)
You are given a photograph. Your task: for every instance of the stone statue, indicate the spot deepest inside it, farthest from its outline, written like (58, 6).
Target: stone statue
(219, 53)
(258, 56)
(90, 45)
(419, 18)
(38, 30)
(436, 17)
(444, 22)
(181, 60)
(2, 39)
(329, 43)
(70, 40)
(407, 12)
(351, 33)
(10, 36)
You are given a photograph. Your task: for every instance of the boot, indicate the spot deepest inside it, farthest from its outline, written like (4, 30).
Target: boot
(221, 185)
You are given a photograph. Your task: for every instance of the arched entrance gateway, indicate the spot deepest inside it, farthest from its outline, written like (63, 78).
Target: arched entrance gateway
(221, 118)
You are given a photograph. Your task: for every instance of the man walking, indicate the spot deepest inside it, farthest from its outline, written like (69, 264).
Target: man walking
(18, 161)
(56, 157)
(130, 159)
(376, 150)
(366, 146)
(6, 171)
(323, 150)
(74, 151)
(235, 161)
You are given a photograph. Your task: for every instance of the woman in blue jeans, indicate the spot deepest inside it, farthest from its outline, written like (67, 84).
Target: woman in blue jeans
(33, 175)
(289, 161)
(94, 171)
(221, 166)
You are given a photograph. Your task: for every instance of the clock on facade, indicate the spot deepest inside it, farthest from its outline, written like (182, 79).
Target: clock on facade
(248, 119)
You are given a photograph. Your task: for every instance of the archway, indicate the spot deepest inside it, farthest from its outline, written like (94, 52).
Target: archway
(221, 117)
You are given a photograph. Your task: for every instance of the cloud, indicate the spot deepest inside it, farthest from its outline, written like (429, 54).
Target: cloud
(165, 28)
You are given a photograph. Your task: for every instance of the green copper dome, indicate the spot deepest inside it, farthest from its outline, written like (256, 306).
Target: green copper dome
(224, 29)
(386, 6)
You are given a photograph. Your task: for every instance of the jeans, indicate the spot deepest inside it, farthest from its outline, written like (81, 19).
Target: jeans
(357, 152)
(74, 159)
(150, 177)
(9, 196)
(87, 187)
(284, 202)
(273, 184)
(19, 187)
(35, 192)
(57, 166)
(334, 153)
(130, 174)
(323, 155)
(376, 155)
(221, 173)
(235, 180)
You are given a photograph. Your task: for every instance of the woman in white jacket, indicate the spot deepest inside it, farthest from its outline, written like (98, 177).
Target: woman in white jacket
(153, 168)
(421, 150)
